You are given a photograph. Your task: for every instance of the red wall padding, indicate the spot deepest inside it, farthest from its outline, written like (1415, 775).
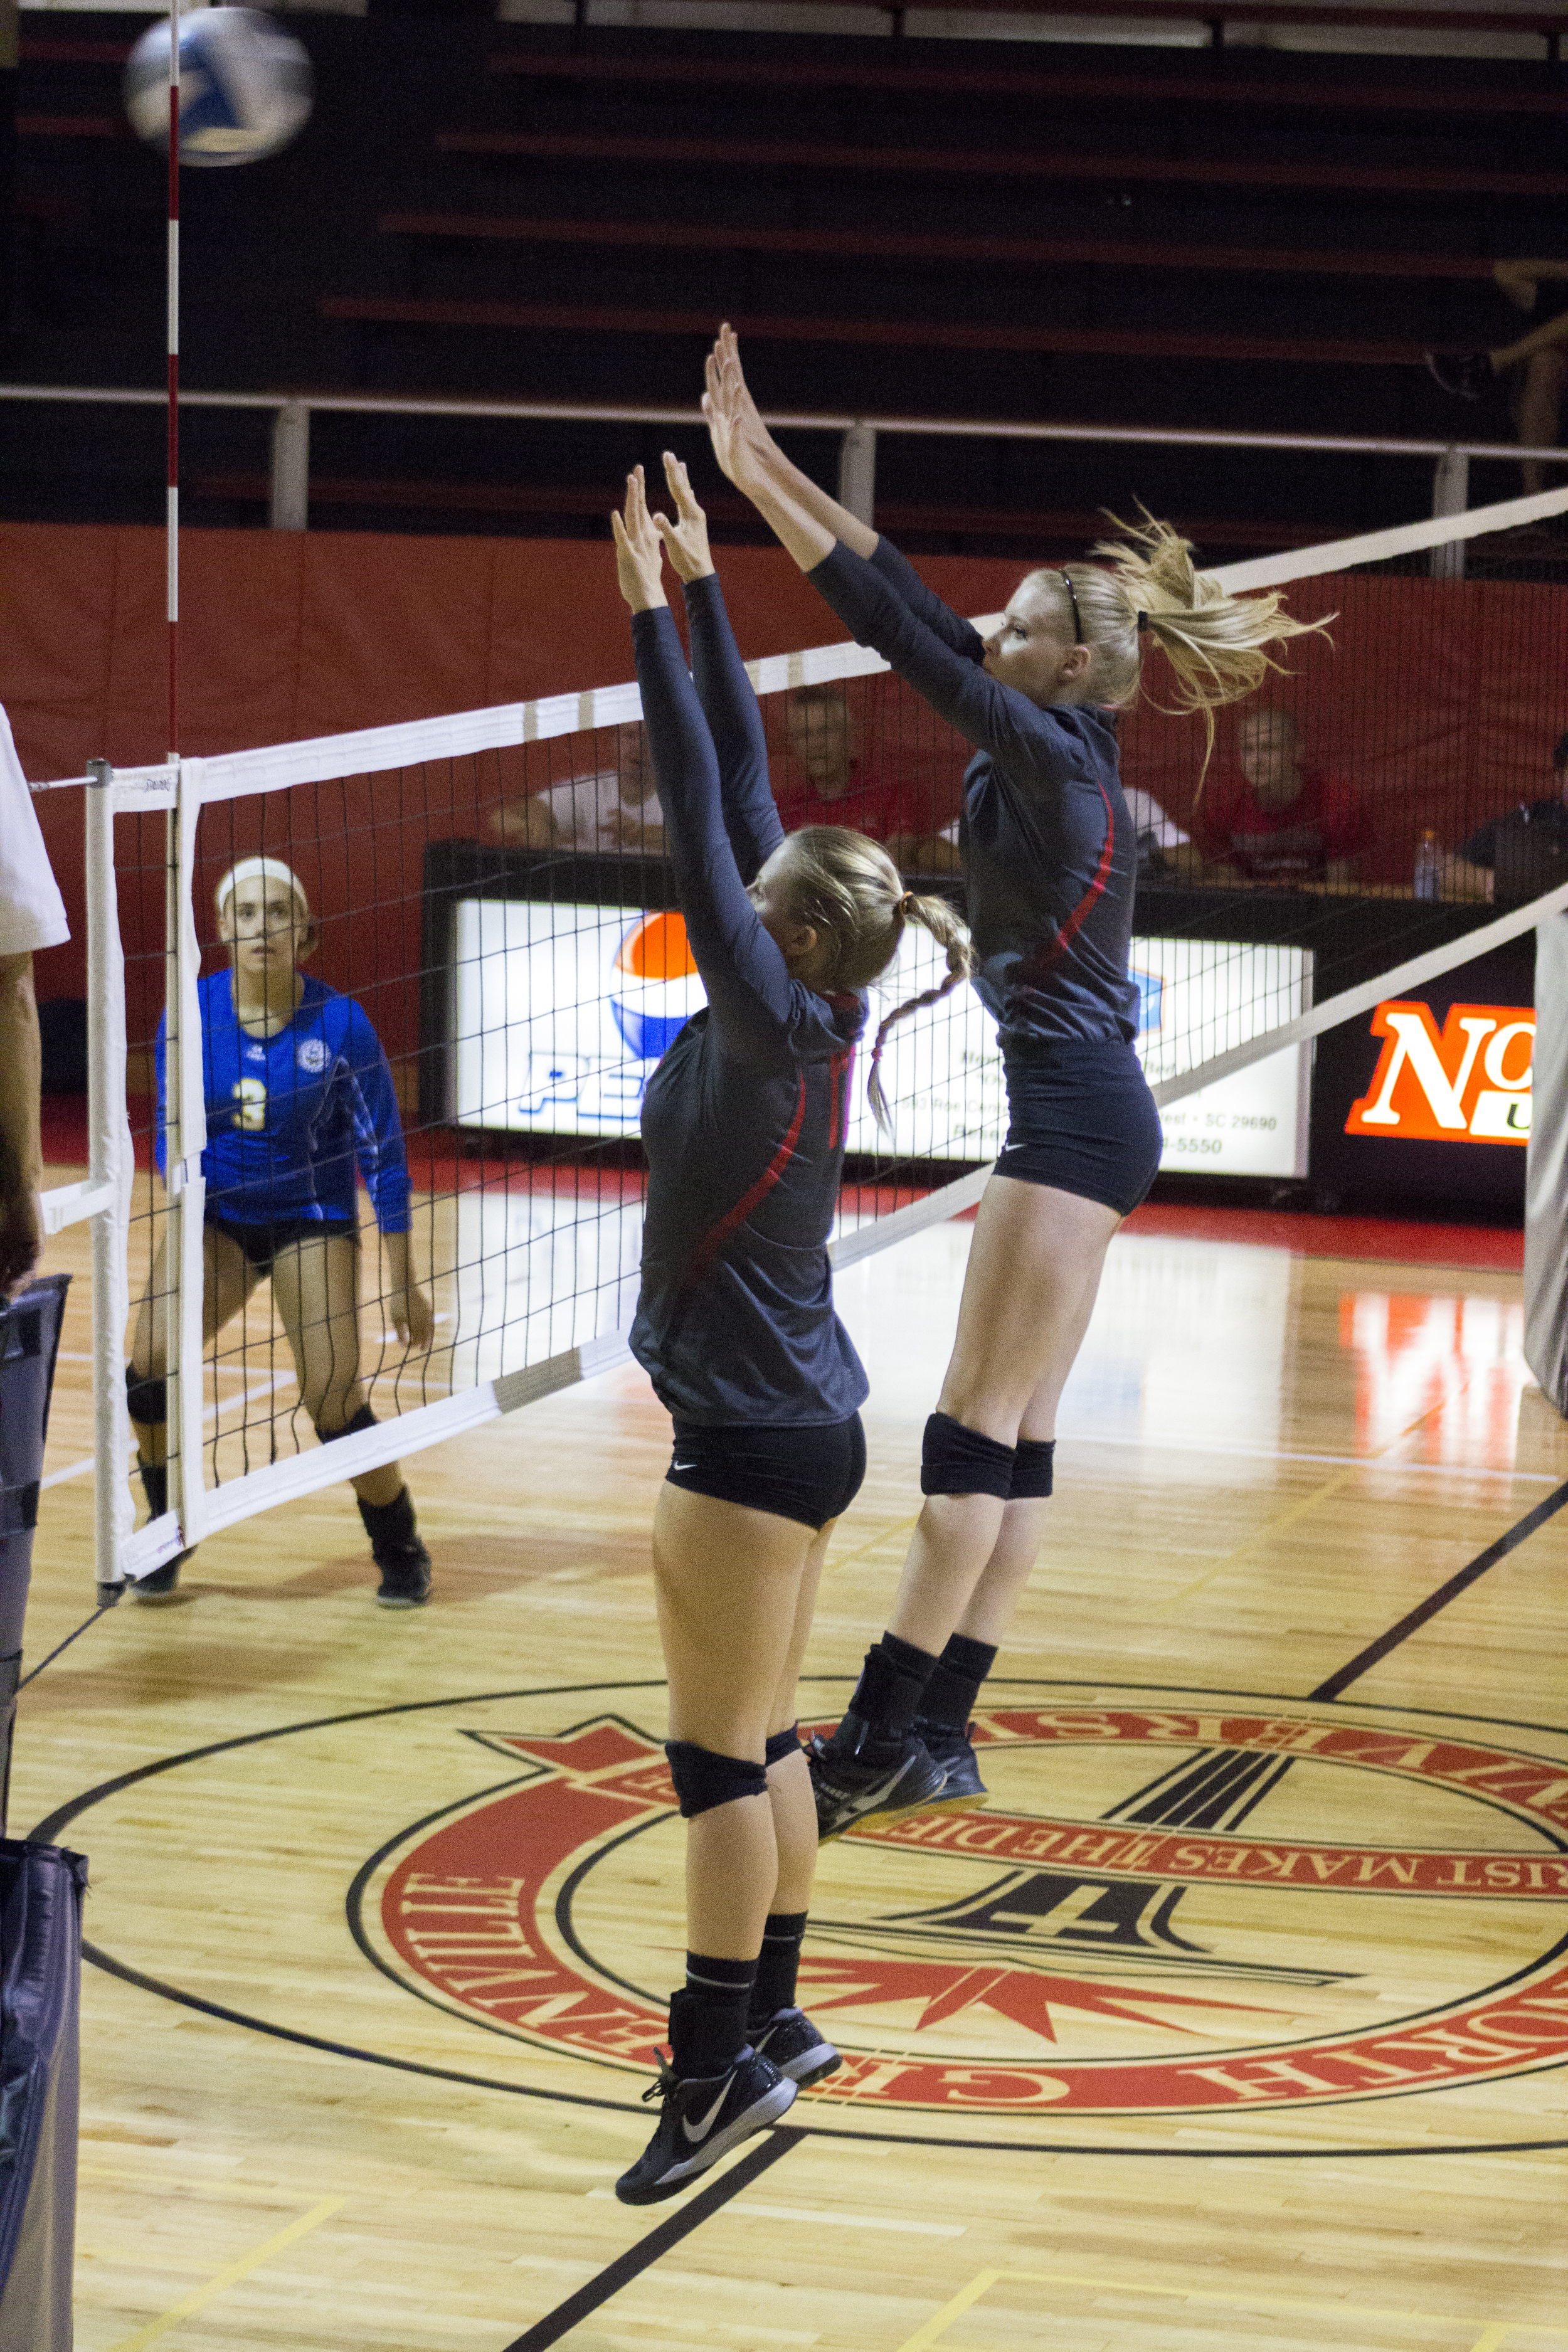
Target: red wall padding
(1438, 701)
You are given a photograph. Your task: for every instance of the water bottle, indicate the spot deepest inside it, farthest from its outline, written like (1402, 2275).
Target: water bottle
(1428, 866)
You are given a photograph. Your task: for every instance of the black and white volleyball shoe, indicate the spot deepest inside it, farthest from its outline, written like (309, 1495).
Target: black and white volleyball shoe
(854, 1775)
(955, 1751)
(791, 2044)
(705, 2115)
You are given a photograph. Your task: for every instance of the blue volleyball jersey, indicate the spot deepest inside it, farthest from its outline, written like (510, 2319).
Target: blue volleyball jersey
(291, 1116)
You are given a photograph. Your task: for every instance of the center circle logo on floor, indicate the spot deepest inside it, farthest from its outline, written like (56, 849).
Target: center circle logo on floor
(1164, 1908)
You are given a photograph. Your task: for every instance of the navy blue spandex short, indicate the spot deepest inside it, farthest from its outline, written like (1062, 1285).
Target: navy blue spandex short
(262, 1243)
(1081, 1117)
(806, 1475)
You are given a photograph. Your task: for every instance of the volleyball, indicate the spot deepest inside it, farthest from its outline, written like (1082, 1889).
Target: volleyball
(245, 85)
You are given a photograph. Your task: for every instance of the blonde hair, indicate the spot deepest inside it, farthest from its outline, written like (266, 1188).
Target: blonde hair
(1147, 584)
(848, 889)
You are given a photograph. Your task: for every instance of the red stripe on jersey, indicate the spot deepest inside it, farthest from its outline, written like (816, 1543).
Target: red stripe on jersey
(1081, 912)
(713, 1241)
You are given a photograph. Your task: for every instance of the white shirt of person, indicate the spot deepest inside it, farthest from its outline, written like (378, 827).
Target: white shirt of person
(32, 912)
(588, 813)
(1153, 828)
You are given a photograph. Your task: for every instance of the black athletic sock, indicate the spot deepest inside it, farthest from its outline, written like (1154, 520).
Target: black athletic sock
(777, 1968)
(154, 1485)
(707, 2016)
(390, 1526)
(888, 1696)
(954, 1688)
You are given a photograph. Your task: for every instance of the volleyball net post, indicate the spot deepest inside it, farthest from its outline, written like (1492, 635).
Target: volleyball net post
(522, 990)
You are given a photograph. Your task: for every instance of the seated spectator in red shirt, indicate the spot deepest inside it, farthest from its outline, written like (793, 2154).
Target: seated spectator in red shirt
(1277, 822)
(831, 786)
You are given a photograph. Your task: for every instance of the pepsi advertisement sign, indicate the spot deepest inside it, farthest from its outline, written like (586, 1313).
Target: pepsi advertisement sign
(560, 1015)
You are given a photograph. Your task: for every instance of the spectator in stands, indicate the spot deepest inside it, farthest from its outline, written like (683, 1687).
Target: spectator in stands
(1535, 364)
(1518, 855)
(613, 811)
(832, 786)
(1275, 821)
(32, 916)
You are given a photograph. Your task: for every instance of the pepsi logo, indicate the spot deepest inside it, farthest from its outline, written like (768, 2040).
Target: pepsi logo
(654, 985)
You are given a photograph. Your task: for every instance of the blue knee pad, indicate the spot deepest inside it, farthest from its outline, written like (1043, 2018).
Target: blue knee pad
(780, 1744)
(148, 1400)
(363, 1419)
(1033, 1469)
(959, 1461)
(703, 1780)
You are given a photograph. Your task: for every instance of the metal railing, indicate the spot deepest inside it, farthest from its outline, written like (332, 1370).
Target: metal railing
(289, 474)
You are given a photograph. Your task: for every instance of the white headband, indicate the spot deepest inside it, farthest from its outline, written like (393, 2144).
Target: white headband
(260, 870)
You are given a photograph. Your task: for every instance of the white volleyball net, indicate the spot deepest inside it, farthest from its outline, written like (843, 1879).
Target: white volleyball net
(489, 891)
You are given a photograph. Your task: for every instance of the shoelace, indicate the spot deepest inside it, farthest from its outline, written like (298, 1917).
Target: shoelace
(669, 2082)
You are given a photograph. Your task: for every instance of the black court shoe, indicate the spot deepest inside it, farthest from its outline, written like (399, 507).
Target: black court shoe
(404, 1575)
(790, 2043)
(704, 2117)
(160, 1584)
(955, 1751)
(1467, 375)
(853, 1777)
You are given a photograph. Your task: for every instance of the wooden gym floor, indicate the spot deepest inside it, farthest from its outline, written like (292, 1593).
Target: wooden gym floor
(1236, 2021)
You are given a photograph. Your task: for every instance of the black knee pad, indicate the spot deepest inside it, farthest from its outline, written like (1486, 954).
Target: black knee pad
(363, 1419)
(959, 1461)
(703, 1780)
(1033, 1474)
(148, 1400)
(780, 1744)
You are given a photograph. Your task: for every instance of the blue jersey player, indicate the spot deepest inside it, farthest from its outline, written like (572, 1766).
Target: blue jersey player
(744, 1123)
(1050, 861)
(300, 1102)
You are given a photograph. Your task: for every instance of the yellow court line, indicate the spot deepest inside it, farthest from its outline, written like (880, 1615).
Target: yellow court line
(1315, 2307)
(199, 2297)
(892, 1527)
(938, 2327)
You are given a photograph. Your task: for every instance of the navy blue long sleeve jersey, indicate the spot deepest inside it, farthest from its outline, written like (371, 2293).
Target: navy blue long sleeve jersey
(1051, 853)
(290, 1116)
(745, 1119)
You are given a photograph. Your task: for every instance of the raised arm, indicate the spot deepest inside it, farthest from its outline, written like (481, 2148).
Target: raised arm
(728, 703)
(749, 989)
(724, 367)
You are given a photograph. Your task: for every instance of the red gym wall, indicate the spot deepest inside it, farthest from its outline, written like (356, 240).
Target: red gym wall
(1439, 702)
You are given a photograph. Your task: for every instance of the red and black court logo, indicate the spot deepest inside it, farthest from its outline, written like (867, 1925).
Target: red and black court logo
(1179, 1908)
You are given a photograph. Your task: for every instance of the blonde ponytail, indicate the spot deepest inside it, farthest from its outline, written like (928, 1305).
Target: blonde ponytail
(1145, 584)
(935, 916)
(848, 889)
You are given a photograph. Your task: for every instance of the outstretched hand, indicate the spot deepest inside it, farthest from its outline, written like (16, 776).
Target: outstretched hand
(685, 539)
(741, 442)
(639, 552)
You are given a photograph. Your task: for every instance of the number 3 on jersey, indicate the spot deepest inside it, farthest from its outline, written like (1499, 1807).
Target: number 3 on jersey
(251, 1093)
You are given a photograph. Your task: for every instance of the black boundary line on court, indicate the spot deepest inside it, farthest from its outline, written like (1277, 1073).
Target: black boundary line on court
(625, 2267)
(782, 2139)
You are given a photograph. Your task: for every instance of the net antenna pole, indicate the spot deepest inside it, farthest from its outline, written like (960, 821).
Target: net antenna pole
(111, 1165)
(184, 1094)
(172, 510)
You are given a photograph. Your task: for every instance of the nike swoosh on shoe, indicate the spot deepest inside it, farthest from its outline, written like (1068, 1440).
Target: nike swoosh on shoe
(706, 2123)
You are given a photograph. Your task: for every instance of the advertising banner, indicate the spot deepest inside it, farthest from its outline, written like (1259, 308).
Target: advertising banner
(560, 1013)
